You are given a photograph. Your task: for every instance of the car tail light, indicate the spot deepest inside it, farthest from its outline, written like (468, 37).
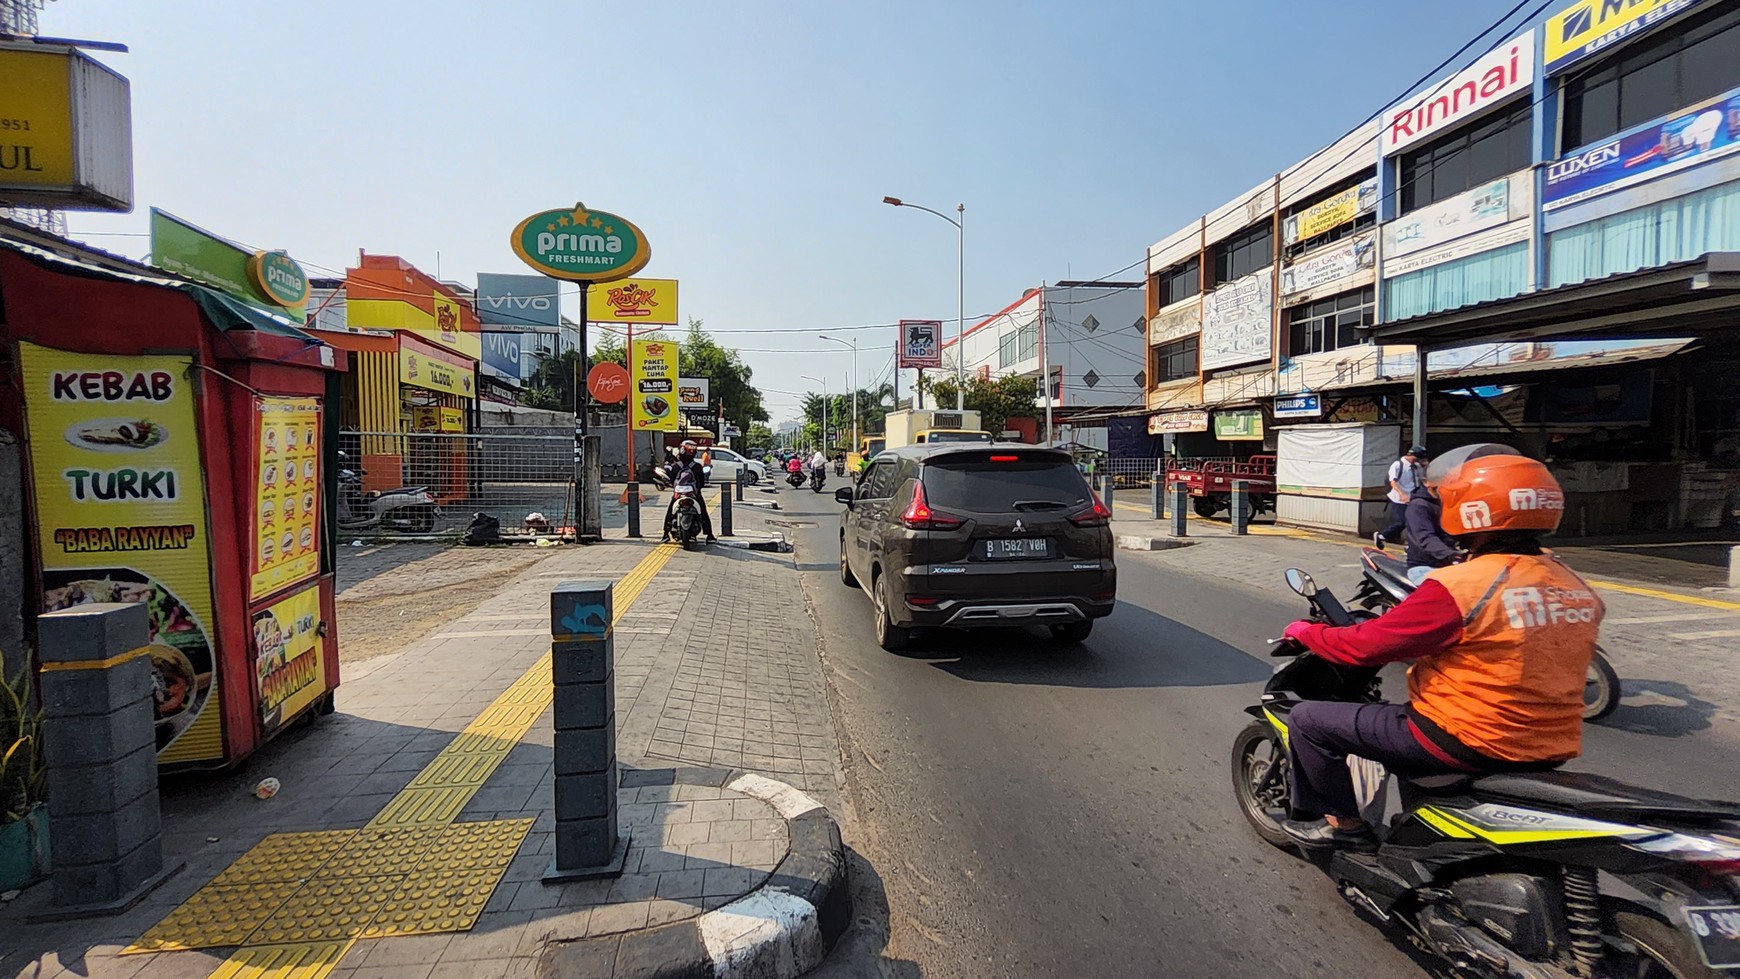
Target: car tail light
(922, 600)
(919, 515)
(1099, 516)
(1005, 458)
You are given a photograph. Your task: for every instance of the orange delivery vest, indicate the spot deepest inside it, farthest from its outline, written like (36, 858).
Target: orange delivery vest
(1512, 689)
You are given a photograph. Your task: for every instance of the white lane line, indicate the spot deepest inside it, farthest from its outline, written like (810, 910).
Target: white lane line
(1671, 617)
(1714, 634)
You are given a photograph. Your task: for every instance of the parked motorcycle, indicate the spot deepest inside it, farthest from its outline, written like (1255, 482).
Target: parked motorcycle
(408, 509)
(1548, 874)
(818, 476)
(1386, 583)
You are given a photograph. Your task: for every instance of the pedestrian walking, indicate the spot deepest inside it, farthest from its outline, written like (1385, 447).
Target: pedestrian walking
(1406, 475)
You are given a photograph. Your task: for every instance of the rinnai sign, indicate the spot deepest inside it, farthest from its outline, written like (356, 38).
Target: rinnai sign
(1501, 73)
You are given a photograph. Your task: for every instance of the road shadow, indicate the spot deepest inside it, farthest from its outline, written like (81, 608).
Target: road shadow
(1133, 647)
(862, 952)
(354, 565)
(1686, 714)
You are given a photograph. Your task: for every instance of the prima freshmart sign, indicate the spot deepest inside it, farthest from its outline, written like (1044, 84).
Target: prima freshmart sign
(582, 245)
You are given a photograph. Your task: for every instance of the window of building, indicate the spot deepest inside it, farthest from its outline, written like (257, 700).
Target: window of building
(1329, 324)
(1006, 350)
(1175, 361)
(1244, 253)
(1467, 158)
(1179, 282)
(1653, 78)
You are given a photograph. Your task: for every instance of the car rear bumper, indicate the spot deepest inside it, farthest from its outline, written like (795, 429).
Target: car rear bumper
(991, 613)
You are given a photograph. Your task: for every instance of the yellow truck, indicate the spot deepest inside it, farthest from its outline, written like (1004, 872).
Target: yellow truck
(868, 447)
(920, 425)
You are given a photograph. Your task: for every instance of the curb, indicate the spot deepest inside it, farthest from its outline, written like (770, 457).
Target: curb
(780, 930)
(1140, 542)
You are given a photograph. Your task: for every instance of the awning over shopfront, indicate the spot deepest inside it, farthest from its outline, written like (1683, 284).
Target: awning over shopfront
(1679, 300)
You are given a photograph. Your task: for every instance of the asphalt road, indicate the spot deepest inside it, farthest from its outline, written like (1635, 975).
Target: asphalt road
(1031, 810)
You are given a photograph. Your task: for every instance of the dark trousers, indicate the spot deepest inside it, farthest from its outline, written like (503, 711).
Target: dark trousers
(700, 504)
(1398, 524)
(1320, 736)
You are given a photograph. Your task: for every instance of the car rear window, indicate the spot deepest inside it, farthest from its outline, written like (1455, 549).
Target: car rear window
(977, 483)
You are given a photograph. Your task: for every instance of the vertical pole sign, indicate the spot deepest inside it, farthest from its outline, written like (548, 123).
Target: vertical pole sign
(587, 247)
(920, 347)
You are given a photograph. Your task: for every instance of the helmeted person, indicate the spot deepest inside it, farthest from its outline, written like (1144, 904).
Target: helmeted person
(687, 464)
(1500, 645)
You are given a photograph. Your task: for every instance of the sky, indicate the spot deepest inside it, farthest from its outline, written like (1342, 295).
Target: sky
(751, 141)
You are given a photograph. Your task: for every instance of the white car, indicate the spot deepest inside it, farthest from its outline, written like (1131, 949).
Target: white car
(727, 463)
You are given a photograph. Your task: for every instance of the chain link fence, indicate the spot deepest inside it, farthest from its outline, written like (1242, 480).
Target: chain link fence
(1132, 473)
(504, 476)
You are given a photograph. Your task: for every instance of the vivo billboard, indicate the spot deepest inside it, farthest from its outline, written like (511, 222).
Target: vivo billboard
(517, 300)
(502, 352)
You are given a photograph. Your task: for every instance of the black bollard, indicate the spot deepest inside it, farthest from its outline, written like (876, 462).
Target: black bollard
(724, 514)
(742, 479)
(633, 508)
(1241, 506)
(1180, 509)
(1157, 495)
(583, 669)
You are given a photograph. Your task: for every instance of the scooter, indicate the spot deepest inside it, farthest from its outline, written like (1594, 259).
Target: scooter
(1386, 583)
(795, 479)
(1537, 875)
(686, 518)
(818, 476)
(408, 509)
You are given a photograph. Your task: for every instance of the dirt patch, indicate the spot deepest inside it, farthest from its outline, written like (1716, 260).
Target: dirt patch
(393, 595)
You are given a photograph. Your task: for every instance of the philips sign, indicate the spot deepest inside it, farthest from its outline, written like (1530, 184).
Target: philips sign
(1507, 70)
(517, 300)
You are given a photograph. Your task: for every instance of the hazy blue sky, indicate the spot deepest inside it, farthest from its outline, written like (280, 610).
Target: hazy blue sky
(751, 141)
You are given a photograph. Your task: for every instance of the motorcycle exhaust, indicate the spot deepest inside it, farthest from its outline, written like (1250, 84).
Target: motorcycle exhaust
(1466, 946)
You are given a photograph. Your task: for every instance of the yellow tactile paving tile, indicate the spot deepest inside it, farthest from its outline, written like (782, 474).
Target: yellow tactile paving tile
(216, 916)
(309, 960)
(328, 910)
(431, 902)
(377, 852)
(285, 857)
(425, 807)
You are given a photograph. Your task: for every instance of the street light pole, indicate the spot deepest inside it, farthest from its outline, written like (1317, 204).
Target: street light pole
(854, 345)
(960, 223)
(823, 382)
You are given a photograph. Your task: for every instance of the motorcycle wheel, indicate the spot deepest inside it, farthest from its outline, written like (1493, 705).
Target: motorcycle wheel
(1259, 774)
(1205, 506)
(1600, 688)
(1661, 951)
(421, 520)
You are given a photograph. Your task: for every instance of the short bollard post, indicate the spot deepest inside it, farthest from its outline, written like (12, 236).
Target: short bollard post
(1241, 506)
(1106, 489)
(105, 824)
(1157, 495)
(742, 479)
(724, 514)
(1180, 506)
(633, 508)
(582, 666)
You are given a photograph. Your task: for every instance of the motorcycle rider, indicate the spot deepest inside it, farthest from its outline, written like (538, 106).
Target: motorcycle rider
(1428, 546)
(818, 461)
(686, 461)
(1500, 644)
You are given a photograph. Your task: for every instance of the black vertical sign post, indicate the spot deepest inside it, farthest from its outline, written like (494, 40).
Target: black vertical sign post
(582, 402)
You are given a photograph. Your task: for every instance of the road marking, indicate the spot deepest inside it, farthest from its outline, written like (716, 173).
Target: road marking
(1641, 619)
(1666, 596)
(485, 633)
(1712, 634)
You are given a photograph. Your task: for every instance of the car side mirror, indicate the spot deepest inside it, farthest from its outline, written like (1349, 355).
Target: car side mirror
(843, 495)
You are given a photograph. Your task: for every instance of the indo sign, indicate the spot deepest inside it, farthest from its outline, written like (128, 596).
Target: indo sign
(586, 246)
(1504, 71)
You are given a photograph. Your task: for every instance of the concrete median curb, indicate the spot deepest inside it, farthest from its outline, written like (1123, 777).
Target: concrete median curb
(780, 930)
(1142, 542)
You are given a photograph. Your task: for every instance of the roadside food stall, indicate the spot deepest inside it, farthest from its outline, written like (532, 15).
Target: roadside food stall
(176, 455)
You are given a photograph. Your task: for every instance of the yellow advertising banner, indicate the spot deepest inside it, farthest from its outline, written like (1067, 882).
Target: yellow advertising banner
(290, 667)
(393, 314)
(653, 400)
(433, 373)
(36, 119)
(1590, 26)
(633, 301)
(121, 517)
(1329, 214)
(430, 418)
(286, 494)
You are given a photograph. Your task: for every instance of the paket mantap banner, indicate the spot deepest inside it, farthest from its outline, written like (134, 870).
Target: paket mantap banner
(121, 517)
(653, 400)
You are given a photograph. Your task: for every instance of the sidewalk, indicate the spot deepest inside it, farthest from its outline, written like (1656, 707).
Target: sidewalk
(412, 828)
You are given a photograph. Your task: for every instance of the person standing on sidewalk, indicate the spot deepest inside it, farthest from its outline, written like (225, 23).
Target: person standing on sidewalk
(1406, 474)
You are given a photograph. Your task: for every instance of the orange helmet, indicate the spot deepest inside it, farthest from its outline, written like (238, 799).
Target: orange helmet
(1487, 487)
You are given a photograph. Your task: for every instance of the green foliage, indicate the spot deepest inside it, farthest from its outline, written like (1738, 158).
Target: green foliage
(700, 356)
(996, 400)
(23, 774)
(758, 435)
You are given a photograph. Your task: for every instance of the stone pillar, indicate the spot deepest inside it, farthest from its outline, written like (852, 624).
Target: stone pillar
(1180, 510)
(1241, 506)
(724, 513)
(1157, 495)
(633, 508)
(1106, 488)
(591, 523)
(105, 824)
(582, 666)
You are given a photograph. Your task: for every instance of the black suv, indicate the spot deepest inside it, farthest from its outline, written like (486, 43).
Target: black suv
(964, 536)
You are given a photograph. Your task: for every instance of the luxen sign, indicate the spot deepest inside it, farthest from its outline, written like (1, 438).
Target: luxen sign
(1502, 72)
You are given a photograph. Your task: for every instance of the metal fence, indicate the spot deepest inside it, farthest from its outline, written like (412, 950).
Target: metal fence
(1132, 473)
(505, 476)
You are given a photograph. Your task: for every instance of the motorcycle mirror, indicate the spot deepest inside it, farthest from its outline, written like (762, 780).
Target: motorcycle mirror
(1301, 582)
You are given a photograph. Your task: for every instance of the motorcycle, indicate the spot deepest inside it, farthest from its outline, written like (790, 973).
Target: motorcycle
(818, 476)
(686, 517)
(1536, 875)
(795, 479)
(409, 509)
(1386, 583)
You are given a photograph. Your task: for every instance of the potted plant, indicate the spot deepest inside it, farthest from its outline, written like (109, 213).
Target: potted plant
(23, 778)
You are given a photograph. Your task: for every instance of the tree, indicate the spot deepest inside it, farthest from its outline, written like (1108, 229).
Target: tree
(551, 385)
(996, 400)
(699, 356)
(759, 436)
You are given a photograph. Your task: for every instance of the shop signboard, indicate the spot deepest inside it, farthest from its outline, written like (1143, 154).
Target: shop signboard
(1238, 426)
(1172, 422)
(66, 130)
(653, 406)
(197, 254)
(526, 301)
(1693, 136)
(692, 393)
(277, 277)
(1589, 27)
(1183, 320)
(1487, 241)
(426, 366)
(502, 352)
(120, 502)
(1506, 70)
(1299, 406)
(1331, 265)
(580, 244)
(286, 494)
(436, 418)
(289, 658)
(634, 300)
(1484, 207)
(1331, 213)
(920, 343)
(1237, 322)
(608, 383)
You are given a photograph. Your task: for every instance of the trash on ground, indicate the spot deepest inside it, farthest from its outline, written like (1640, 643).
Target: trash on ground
(356, 543)
(267, 788)
(9, 896)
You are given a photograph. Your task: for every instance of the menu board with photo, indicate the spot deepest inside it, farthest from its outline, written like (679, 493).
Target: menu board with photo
(286, 493)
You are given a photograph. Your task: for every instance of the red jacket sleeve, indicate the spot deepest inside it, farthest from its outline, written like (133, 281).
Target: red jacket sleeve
(1426, 622)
